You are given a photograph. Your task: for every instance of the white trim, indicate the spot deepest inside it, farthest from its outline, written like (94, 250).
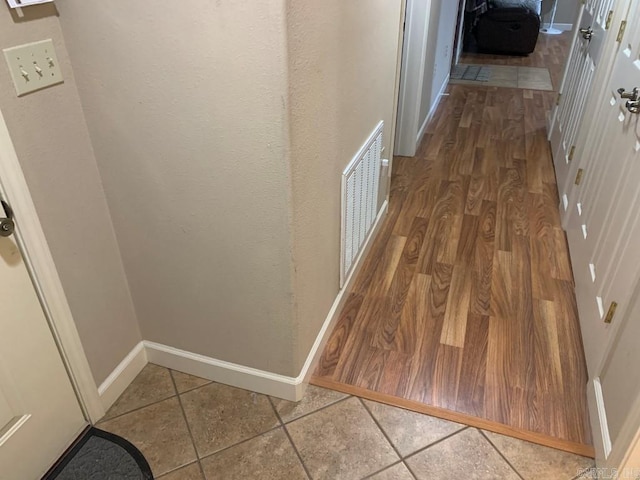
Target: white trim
(122, 376)
(432, 110)
(335, 310)
(602, 417)
(39, 262)
(261, 381)
(565, 27)
(221, 371)
(411, 80)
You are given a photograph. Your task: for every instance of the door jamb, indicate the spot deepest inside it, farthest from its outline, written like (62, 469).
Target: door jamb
(410, 94)
(42, 270)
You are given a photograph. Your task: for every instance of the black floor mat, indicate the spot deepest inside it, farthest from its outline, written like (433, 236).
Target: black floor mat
(100, 455)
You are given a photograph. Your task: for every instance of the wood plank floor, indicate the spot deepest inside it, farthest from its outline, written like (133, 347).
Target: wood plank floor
(464, 307)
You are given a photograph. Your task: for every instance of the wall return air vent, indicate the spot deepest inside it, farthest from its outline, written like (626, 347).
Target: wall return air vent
(26, 3)
(360, 182)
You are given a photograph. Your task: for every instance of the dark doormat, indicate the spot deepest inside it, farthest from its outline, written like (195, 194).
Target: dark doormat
(100, 455)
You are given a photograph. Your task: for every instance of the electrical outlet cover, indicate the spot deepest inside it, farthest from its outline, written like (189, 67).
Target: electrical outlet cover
(33, 66)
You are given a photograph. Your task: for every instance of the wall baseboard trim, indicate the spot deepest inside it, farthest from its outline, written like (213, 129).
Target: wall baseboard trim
(335, 310)
(432, 112)
(122, 376)
(261, 381)
(221, 371)
(248, 378)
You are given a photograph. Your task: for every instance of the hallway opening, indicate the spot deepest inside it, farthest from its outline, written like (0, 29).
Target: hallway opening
(464, 307)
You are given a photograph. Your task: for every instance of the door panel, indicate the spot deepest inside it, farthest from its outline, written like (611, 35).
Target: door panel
(603, 230)
(604, 213)
(579, 75)
(39, 412)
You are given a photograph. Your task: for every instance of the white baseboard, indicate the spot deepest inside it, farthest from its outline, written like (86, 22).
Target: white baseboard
(598, 419)
(282, 386)
(122, 375)
(432, 111)
(261, 381)
(565, 27)
(335, 310)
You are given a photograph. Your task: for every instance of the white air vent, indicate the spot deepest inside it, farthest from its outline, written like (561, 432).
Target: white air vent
(360, 181)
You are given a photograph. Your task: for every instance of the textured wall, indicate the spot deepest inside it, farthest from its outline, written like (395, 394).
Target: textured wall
(187, 104)
(342, 76)
(52, 142)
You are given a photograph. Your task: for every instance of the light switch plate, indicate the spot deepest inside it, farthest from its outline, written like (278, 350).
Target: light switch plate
(33, 66)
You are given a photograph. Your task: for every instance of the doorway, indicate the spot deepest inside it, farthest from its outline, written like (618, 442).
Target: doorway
(40, 414)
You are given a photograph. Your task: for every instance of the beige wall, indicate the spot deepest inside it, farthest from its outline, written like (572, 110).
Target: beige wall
(187, 103)
(342, 75)
(221, 131)
(52, 142)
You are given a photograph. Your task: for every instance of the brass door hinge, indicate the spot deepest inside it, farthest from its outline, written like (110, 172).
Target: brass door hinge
(558, 98)
(623, 26)
(609, 19)
(579, 176)
(571, 152)
(611, 312)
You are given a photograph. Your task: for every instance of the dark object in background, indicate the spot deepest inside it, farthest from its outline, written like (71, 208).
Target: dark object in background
(508, 30)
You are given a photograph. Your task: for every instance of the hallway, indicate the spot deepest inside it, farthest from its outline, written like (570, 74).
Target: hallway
(464, 307)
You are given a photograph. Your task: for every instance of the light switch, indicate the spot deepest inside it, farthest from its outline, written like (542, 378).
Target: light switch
(33, 66)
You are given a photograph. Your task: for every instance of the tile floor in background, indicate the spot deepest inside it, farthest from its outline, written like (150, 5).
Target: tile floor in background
(189, 428)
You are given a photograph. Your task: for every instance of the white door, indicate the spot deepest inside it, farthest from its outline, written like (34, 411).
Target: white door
(39, 413)
(603, 230)
(586, 52)
(614, 395)
(603, 215)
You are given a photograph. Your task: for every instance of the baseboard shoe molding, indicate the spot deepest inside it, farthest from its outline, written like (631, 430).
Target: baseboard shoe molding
(122, 376)
(565, 27)
(432, 112)
(533, 437)
(261, 381)
(221, 371)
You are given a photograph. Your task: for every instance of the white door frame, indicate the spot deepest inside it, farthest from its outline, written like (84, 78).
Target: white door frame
(414, 52)
(39, 262)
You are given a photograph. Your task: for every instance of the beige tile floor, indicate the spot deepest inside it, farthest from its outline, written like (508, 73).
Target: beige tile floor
(189, 428)
(511, 76)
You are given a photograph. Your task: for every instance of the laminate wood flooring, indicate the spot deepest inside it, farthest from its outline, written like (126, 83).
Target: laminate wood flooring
(464, 307)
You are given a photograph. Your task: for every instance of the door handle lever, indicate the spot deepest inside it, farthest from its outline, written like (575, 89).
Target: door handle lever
(7, 225)
(587, 33)
(633, 95)
(633, 99)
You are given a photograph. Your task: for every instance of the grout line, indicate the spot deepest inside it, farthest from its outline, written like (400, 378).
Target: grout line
(286, 432)
(500, 453)
(186, 421)
(175, 389)
(437, 442)
(315, 411)
(409, 469)
(176, 469)
(275, 410)
(272, 429)
(375, 420)
(155, 402)
(383, 469)
(209, 382)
